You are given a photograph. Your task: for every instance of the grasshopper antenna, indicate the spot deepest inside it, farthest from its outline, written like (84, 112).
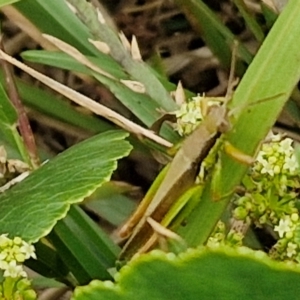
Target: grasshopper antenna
(232, 82)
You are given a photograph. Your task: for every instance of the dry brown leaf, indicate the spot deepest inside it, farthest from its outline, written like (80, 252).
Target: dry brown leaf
(161, 234)
(179, 94)
(124, 40)
(101, 46)
(135, 86)
(101, 19)
(26, 26)
(3, 155)
(73, 52)
(162, 230)
(72, 7)
(276, 5)
(135, 50)
(17, 179)
(17, 166)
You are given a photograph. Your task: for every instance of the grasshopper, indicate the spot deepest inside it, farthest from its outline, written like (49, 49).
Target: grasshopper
(179, 178)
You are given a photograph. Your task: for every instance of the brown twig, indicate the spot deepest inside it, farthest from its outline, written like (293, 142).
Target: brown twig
(23, 122)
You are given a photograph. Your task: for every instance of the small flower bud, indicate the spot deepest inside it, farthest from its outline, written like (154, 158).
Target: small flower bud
(294, 217)
(240, 213)
(289, 235)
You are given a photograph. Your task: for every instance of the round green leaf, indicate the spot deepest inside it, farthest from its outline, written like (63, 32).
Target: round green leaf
(198, 274)
(32, 208)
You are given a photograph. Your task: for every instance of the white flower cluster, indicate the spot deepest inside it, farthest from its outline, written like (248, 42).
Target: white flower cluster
(188, 116)
(191, 113)
(13, 252)
(271, 185)
(271, 193)
(288, 244)
(277, 157)
(286, 225)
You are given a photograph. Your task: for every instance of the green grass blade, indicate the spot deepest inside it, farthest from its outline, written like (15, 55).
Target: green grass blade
(7, 2)
(55, 17)
(141, 105)
(62, 60)
(48, 104)
(81, 243)
(269, 14)
(48, 263)
(250, 20)
(267, 76)
(138, 70)
(216, 35)
(8, 125)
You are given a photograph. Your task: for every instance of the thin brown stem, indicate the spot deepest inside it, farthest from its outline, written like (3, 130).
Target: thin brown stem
(23, 122)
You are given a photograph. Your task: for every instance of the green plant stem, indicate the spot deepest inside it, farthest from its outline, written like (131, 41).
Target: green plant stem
(250, 20)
